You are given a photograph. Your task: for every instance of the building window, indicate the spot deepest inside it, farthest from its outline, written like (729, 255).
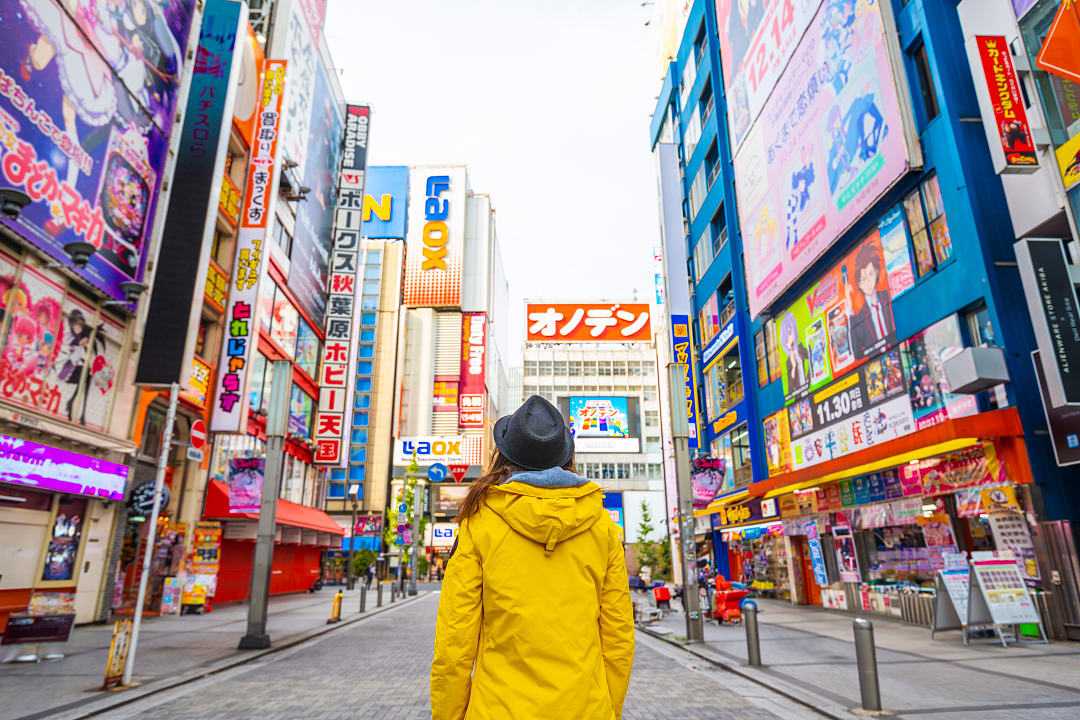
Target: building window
(726, 301)
(698, 189)
(367, 319)
(652, 418)
(530, 367)
(723, 382)
(360, 419)
(772, 351)
(925, 214)
(761, 356)
(712, 165)
(740, 455)
(926, 82)
(363, 368)
(709, 319)
(980, 329)
(718, 230)
(703, 257)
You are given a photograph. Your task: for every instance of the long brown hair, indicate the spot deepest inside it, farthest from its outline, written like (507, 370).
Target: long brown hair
(498, 471)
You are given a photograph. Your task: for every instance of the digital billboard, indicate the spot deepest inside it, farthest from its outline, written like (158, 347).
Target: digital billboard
(831, 139)
(603, 424)
(472, 384)
(436, 237)
(386, 197)
(587, 322)
(85, 121)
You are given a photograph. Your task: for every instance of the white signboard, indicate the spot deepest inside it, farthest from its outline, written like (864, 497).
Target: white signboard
(428, 449)
(1003, 589)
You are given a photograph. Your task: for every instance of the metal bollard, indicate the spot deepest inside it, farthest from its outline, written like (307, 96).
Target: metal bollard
(393, 593)
(866, 660)
(363, 598)
(378, 595)
(753, 639)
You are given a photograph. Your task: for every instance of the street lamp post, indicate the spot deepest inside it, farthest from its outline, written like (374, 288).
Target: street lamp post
(680, 432)
(354, 491)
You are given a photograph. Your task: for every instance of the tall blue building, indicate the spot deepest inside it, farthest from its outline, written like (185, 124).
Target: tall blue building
(860, 348)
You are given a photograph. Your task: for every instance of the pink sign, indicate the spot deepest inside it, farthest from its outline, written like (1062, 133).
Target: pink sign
(32, 465)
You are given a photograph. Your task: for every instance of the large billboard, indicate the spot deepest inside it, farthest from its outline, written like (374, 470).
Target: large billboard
(85, 119)
(587, 322)
(471, 384)
(847, 315)
(603, 424)
(386, 198)
(436, 238)
(831, 139)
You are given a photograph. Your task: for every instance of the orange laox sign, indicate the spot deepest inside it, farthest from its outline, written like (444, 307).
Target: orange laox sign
(587, 322)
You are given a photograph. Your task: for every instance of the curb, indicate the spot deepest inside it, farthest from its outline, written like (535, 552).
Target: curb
(740, 672)
(118, 698)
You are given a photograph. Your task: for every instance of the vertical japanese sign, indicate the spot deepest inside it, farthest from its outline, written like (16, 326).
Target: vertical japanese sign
(1010, 119)
(471, 384)
(342, 319)
(680, 345)
(241, 327)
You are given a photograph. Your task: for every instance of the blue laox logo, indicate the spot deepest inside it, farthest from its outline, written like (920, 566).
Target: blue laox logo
(425, 448)
(444, 532)
(1072, 441)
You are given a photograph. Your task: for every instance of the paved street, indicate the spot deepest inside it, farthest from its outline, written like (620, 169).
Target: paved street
(378, 668)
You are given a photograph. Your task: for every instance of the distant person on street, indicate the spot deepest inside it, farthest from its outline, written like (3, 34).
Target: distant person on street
(535, 620)
(370, 576)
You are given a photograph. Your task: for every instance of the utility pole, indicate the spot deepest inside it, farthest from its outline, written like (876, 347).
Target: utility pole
(256, 637)
(680, 431)
(151, 531)
(418, 539)
(354, 490)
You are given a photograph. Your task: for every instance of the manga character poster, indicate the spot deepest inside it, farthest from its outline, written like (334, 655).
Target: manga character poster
(245, 484)
(829, 141)
(926, 352)
(88, 92)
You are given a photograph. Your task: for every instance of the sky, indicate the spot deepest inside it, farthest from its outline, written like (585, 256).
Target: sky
(547, 102)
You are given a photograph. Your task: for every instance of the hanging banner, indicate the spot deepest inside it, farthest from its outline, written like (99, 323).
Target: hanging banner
(471, 385)
(1015, 149)
(338, 369)
(260, 193)
(708, 479)
(245, 484)
(835, 135)
(680, 345)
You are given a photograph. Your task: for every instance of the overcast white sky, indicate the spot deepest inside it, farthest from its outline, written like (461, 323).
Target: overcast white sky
(547, 102)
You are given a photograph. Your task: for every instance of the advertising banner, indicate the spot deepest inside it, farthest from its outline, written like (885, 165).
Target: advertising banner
(260, 191)
(777, 442)
(471, 388)
(245, 484)
(603, 424)
(832, 134)
(338, 368)
(709, 478)
(428, 449)
(436, 238)
(587, 322)
(817, 556)
(925, 355)
(680, 345)
(173, 318)
(847, 315)
(29, 464)
(864, 408)
(85, 120)
(1015, 151)
(756, 41)
(386, 199)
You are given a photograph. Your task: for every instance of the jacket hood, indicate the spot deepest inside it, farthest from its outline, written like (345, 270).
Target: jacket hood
(547, 515)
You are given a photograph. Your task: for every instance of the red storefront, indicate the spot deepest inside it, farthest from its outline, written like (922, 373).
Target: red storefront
(303, 533)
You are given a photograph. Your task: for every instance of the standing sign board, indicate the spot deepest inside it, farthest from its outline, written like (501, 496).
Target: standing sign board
(952, 588)
(999, 596)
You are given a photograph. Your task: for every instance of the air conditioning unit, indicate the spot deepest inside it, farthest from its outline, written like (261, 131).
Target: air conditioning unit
(975, 369)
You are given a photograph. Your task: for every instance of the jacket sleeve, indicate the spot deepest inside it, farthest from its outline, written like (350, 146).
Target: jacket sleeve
(616, 623)
(457, 630)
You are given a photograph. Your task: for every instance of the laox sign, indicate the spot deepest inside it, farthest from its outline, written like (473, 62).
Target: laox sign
(427, 450)
(436, 233)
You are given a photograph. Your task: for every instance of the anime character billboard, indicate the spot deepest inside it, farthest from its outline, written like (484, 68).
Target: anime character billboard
(88, 91)
(830, 140)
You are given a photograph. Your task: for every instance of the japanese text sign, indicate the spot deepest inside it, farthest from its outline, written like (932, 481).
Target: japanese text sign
(338, 367)
(1010, 118)
(588, 322)
(473, 364)
(241, 326)
(680, 349)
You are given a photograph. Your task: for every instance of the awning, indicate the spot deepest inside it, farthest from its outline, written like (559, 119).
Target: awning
(1002, 426)
(288, 513)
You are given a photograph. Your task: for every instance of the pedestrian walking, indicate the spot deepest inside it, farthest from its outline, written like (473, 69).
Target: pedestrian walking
(538, 572)
(369, 575)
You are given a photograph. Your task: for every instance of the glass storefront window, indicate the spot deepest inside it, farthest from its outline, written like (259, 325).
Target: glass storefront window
(723, 382)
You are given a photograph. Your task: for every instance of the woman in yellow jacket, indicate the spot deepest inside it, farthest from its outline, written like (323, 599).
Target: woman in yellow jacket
(535, 619)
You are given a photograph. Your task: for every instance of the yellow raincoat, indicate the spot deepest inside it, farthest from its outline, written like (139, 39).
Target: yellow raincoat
(535, 619)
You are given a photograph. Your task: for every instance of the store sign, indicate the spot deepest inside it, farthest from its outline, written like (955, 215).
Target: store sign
(386, 195)
(436, 237)
(428, 449)
(472, 385)
(835, 133)
(197, 384)
(1015, 149)
(443, 535)
(587, 322)
(680, 345)
(338, 368)
(719, 344)
(732, 515)
(847, 315)
(29, 464)
(1055, 314)
(85, 122)
(260, 192)
(245, 481)
(1063, 422)
(864, 408)
(229, 200)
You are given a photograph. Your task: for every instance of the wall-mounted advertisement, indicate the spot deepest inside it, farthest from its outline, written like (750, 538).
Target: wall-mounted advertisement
(603, 424)
(847, 315)
(777, 442)
(386, 198)
(680, 345)
(436, 239)
(757, 38)
(245, 484)
(710, 478)
(85, 119)
(472, 388)
(29, 464)
(1014, 150)
(833, 135)
(925, 356)
(587, 322)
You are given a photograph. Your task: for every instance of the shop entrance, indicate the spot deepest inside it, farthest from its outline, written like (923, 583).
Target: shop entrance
(811, 593)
